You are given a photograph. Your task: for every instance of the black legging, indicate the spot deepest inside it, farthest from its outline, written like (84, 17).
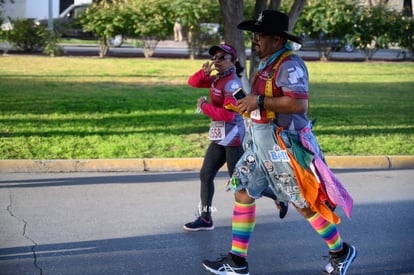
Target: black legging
(216, 156)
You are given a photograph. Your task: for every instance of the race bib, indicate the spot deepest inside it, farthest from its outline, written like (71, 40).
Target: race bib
(217, 130)
(255, 114)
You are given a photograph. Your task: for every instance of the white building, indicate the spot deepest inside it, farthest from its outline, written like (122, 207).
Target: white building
(37, 8)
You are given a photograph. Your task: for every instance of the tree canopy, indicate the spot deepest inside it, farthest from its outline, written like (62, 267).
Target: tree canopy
(365, 26)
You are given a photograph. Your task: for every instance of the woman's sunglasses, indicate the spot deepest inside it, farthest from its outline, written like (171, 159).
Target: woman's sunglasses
(220, 58)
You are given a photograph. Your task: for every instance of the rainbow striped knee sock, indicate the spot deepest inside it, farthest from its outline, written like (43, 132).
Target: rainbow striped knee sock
(244, 220)
(327, 231)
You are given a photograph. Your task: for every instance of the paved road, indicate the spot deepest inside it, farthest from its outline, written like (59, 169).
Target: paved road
(173, 49)
(131, 223)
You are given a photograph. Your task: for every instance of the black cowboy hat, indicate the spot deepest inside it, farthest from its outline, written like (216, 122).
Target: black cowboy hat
(270, 22)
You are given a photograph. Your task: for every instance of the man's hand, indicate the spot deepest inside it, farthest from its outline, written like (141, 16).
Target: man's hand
(281, 104)
(247, 104)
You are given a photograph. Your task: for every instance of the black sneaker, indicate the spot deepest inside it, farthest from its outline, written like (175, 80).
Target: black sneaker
(283, 209)
(281, 206)
(200, 223)
(339, 265)
(226, 266)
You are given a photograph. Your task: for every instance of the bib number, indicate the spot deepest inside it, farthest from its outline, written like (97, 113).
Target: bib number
(217, 130)
(255, 114)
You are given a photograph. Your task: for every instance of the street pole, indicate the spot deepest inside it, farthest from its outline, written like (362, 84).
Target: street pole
(50, 19)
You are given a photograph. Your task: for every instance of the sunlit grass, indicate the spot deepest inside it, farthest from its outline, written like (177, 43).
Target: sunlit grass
(70, 108)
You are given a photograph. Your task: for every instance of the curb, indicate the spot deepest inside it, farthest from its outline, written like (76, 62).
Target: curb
(182, 164)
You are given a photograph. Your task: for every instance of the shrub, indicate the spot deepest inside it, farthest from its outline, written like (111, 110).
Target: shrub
(27, 36)
(52, 46)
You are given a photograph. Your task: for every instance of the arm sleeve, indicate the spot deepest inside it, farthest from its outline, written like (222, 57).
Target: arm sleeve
(199, 80)
(219, 112)
(294, 78)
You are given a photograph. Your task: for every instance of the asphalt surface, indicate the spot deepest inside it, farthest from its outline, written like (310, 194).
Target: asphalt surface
(172, 49)
(131, 223)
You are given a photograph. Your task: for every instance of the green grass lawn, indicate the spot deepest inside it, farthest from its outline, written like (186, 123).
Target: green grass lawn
(77, 108)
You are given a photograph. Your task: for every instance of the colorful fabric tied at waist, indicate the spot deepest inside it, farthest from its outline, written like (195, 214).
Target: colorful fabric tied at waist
(312, 190)
(336, 191)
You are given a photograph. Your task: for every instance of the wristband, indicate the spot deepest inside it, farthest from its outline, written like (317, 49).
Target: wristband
(260, 101)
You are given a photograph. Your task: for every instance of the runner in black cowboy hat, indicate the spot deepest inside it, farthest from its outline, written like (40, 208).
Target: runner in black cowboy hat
(282, 153)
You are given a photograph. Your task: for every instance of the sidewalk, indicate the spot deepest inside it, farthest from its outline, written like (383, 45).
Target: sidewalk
(182, 164)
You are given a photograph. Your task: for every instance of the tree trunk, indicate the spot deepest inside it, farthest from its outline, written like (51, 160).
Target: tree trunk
(103, 47)
(275, 4)
(259, 6)
(232, 13)
(294, 13)
(150, 43)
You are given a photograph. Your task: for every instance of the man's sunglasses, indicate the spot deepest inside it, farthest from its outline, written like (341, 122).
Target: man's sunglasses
(220, 58)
